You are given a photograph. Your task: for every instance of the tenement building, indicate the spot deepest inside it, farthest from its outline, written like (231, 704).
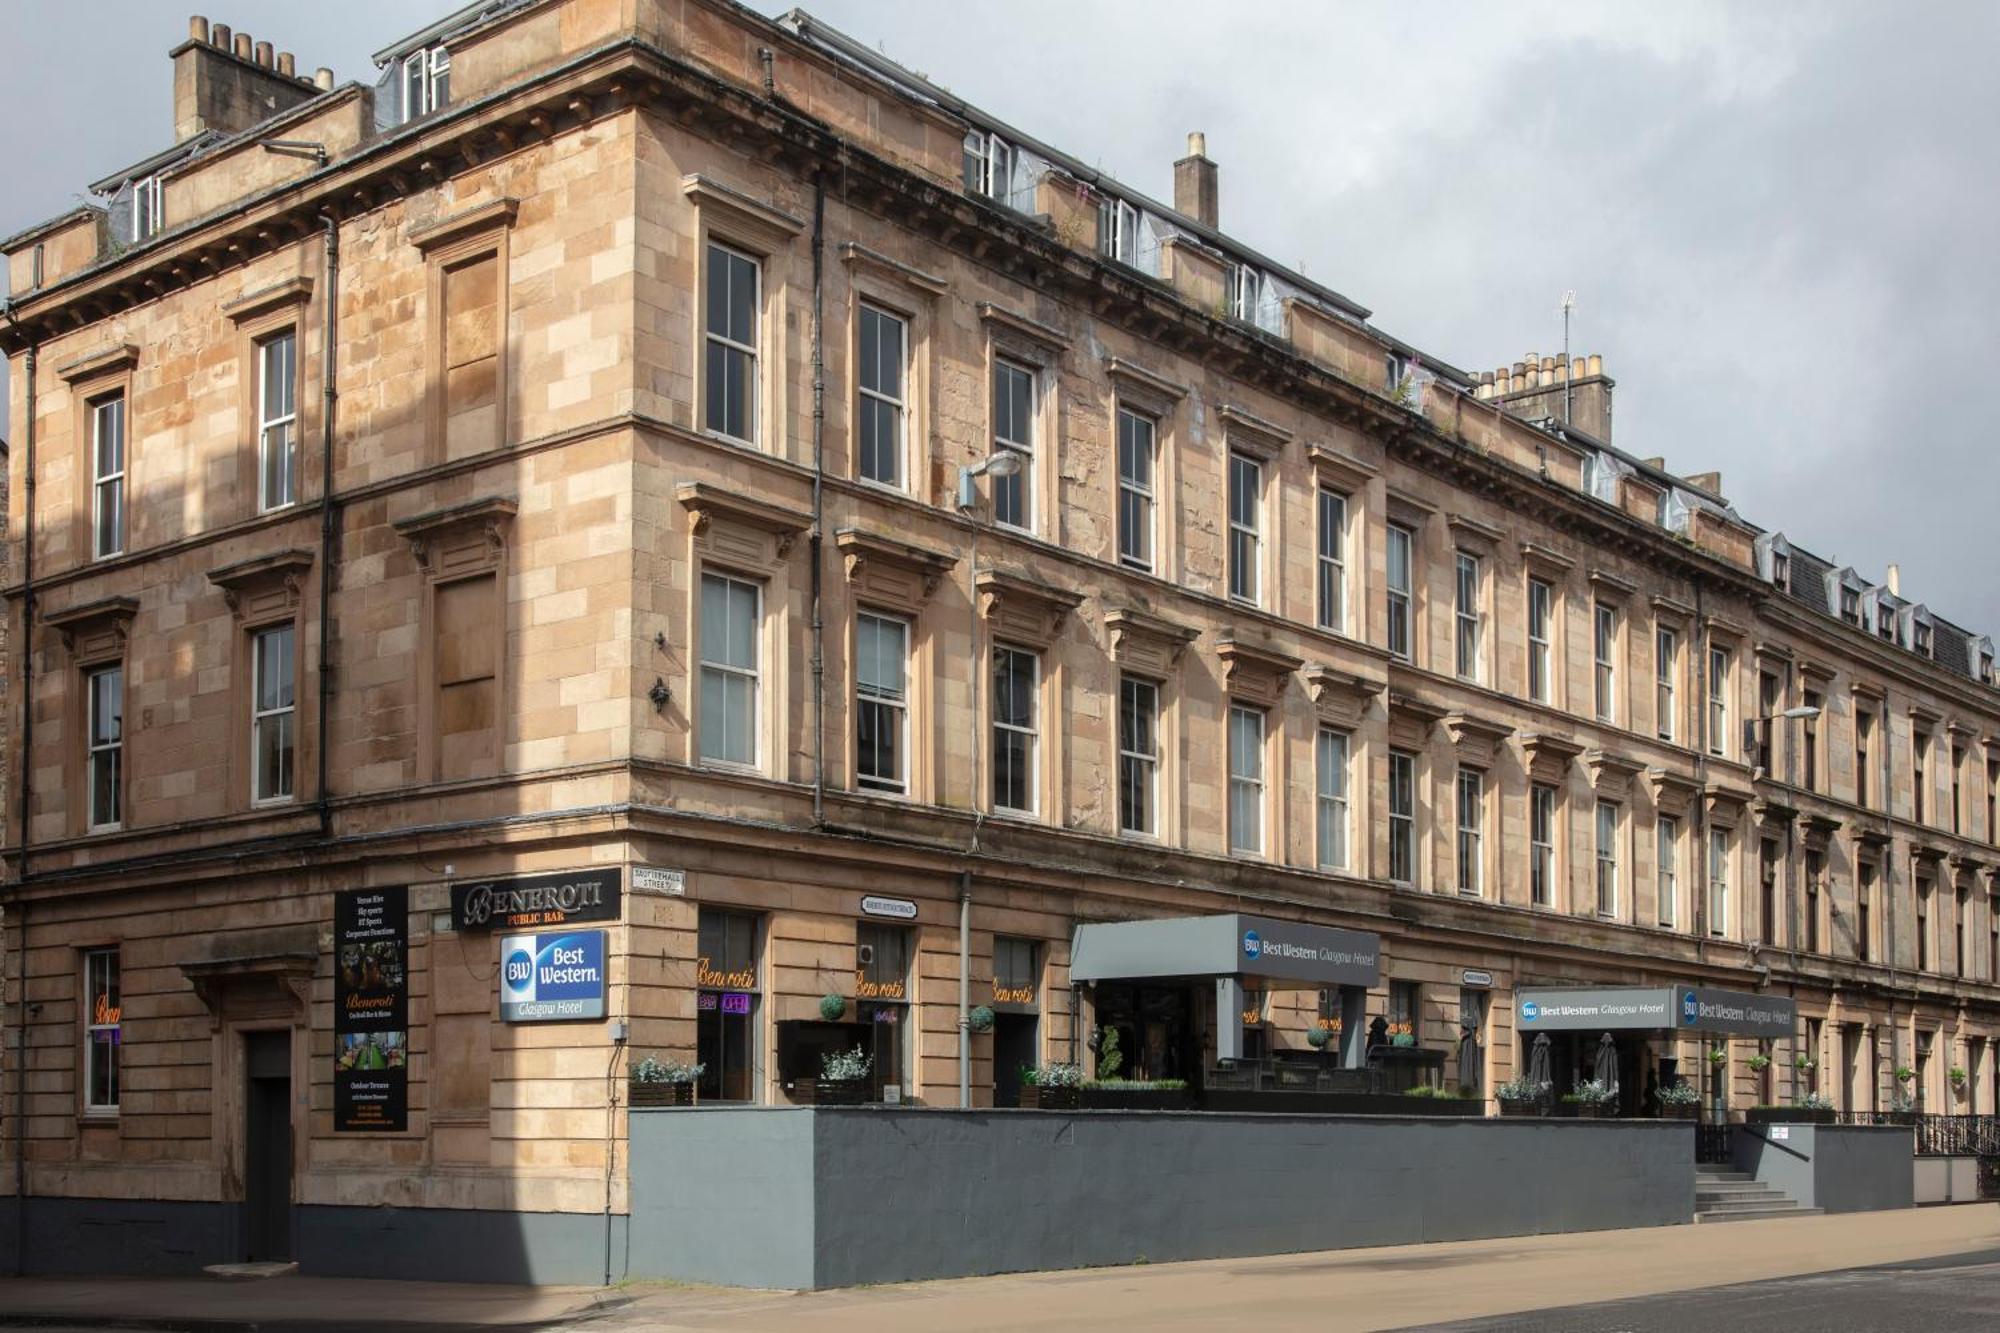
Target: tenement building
(647, 531)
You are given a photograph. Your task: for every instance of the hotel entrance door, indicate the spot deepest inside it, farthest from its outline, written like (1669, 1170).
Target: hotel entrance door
(1156, 1032)
(267, 1145)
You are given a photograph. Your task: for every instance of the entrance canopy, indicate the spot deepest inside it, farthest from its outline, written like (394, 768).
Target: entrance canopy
(1234, 944)
(1722, 1013)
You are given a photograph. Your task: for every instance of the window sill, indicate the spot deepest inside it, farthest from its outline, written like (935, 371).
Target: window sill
(95, 829)
(99, 1115)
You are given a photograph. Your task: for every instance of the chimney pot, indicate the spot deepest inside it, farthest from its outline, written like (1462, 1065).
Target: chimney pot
(266, 55)
(219, 35)
(1596, 364)
(1895, 581)
(323, 79)
(286, 66)
(1195, 189)
(243, 46)
(197, 28)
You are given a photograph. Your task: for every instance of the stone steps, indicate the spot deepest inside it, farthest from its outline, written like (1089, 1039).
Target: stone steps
(1722, 1194)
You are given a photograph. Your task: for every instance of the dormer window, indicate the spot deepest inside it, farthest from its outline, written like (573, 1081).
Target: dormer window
(989, 166)
(1923, 635)
(1781, 569)
(1246, 293)
(147, 215)
(1850, 605)
(1118, 231)
(426, 82)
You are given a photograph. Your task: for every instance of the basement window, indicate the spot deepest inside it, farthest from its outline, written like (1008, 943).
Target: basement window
(426, 82)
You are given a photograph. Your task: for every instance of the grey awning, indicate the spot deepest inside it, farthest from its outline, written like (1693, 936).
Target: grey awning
(1230, 944)
(1656, 1009)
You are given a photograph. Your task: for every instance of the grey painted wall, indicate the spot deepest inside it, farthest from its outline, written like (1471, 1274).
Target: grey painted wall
(798, 1197)
(1841, 1168)
(130, 1237)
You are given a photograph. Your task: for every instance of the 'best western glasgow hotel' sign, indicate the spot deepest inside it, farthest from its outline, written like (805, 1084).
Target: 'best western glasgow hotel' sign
(527, 901)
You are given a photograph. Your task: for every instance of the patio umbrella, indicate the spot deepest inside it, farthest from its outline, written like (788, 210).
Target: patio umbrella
(1606, 1069)
(1538, 1062)
(1468, 1058)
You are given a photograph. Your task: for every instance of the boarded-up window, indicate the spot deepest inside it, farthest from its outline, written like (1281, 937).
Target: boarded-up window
(467, 653)
(472, 336)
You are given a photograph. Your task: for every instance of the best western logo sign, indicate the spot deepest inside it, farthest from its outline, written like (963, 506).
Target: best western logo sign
(549, 978)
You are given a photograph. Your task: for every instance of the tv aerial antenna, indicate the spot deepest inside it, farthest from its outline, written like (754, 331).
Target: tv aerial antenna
(1568, 309)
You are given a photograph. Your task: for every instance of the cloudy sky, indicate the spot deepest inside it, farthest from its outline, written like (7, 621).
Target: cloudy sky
(1779, 220)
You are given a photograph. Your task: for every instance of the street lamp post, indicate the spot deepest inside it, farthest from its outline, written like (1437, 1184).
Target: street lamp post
(1000, 463)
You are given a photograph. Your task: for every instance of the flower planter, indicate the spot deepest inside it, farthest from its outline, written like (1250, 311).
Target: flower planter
(661, 1094)
(1787, 1115)
(1508, 1108)
(1687, 1111)
(1048, 1099)
(826, 1092)
(1132, 1099)
(1583, 1111)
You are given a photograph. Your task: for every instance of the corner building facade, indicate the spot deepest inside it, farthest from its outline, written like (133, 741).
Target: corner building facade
(555, 471)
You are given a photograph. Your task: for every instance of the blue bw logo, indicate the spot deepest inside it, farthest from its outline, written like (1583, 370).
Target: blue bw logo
(1252, 946)
(1689, 1010)
(1530, 1011)
(520, 970)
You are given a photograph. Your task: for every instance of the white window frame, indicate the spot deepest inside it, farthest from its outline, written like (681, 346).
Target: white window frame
(1400, 598)
(1604, 660)
(1542, 816)
(109, 752)
(283, 716)
(1145, 763)
(427, 75)
(1541, 630)
(1718, 700)
(1246, 537)
(1471, 806)
(896, 404)
(1403, 815)
(1021, 486)
(1032, 731)
(282, 423)
(1467, 618)
(1667, 869)
(1331, 532)
(1607, 859)
(1246, 292)
(1246, 783)
(1138, 511)
(714, 343)
(714, 670)
(995, 169)
(1666, 657)
(108, 480)
(1332, 752)
(1118, 231)
(895, 704)
(92, 959)
(148, 208)
(1718, 882)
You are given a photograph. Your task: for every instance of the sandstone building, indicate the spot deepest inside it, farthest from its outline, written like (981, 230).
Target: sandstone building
(540, 478)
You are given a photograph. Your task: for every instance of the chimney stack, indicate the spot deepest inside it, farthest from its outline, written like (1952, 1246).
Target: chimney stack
(1895, 581)
(1195, 191)
(228, 81)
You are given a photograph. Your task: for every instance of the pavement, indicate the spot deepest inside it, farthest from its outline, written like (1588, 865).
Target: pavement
(1912, 1265)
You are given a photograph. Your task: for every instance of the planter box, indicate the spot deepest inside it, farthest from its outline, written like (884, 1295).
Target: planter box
(1690, 1111)
(661, 1094)
(1534, 1108)
(1047, 1099)
(1786, 1115)
(819, 1092)
(1132, 1099)
(1583, 1111)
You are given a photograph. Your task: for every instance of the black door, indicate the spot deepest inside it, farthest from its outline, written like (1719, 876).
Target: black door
(267, 1146)
(1013, 1048)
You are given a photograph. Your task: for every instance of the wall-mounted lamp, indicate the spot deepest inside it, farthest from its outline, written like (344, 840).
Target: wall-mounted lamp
(1000, 463)
(660, 695)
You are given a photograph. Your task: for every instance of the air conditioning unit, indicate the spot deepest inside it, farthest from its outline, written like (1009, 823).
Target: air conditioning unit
(864, 955)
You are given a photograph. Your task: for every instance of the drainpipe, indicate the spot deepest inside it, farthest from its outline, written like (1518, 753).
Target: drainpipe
(818, 542)
(25, 646)
(329, 522)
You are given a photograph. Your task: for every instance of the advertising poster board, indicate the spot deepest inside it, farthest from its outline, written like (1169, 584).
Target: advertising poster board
(371, 1010)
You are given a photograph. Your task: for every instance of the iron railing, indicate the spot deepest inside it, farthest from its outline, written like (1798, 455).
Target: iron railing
(1938, 1135)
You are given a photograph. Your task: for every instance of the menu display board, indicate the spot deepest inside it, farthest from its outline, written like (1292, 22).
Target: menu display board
(371, 1010)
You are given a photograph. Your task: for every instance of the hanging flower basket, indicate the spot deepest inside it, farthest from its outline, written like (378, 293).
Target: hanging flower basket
(980, 1019)
(832, 1006)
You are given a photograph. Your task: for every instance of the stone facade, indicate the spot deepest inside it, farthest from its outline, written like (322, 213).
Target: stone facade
(497, 598)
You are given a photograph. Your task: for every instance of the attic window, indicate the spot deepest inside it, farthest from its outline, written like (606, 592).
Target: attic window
(1781, 569)
(1850, 605)
(426, 82)
(1118, 231)
(147, 216)
(989, 166)
(1923, 633)
(1246, 293)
